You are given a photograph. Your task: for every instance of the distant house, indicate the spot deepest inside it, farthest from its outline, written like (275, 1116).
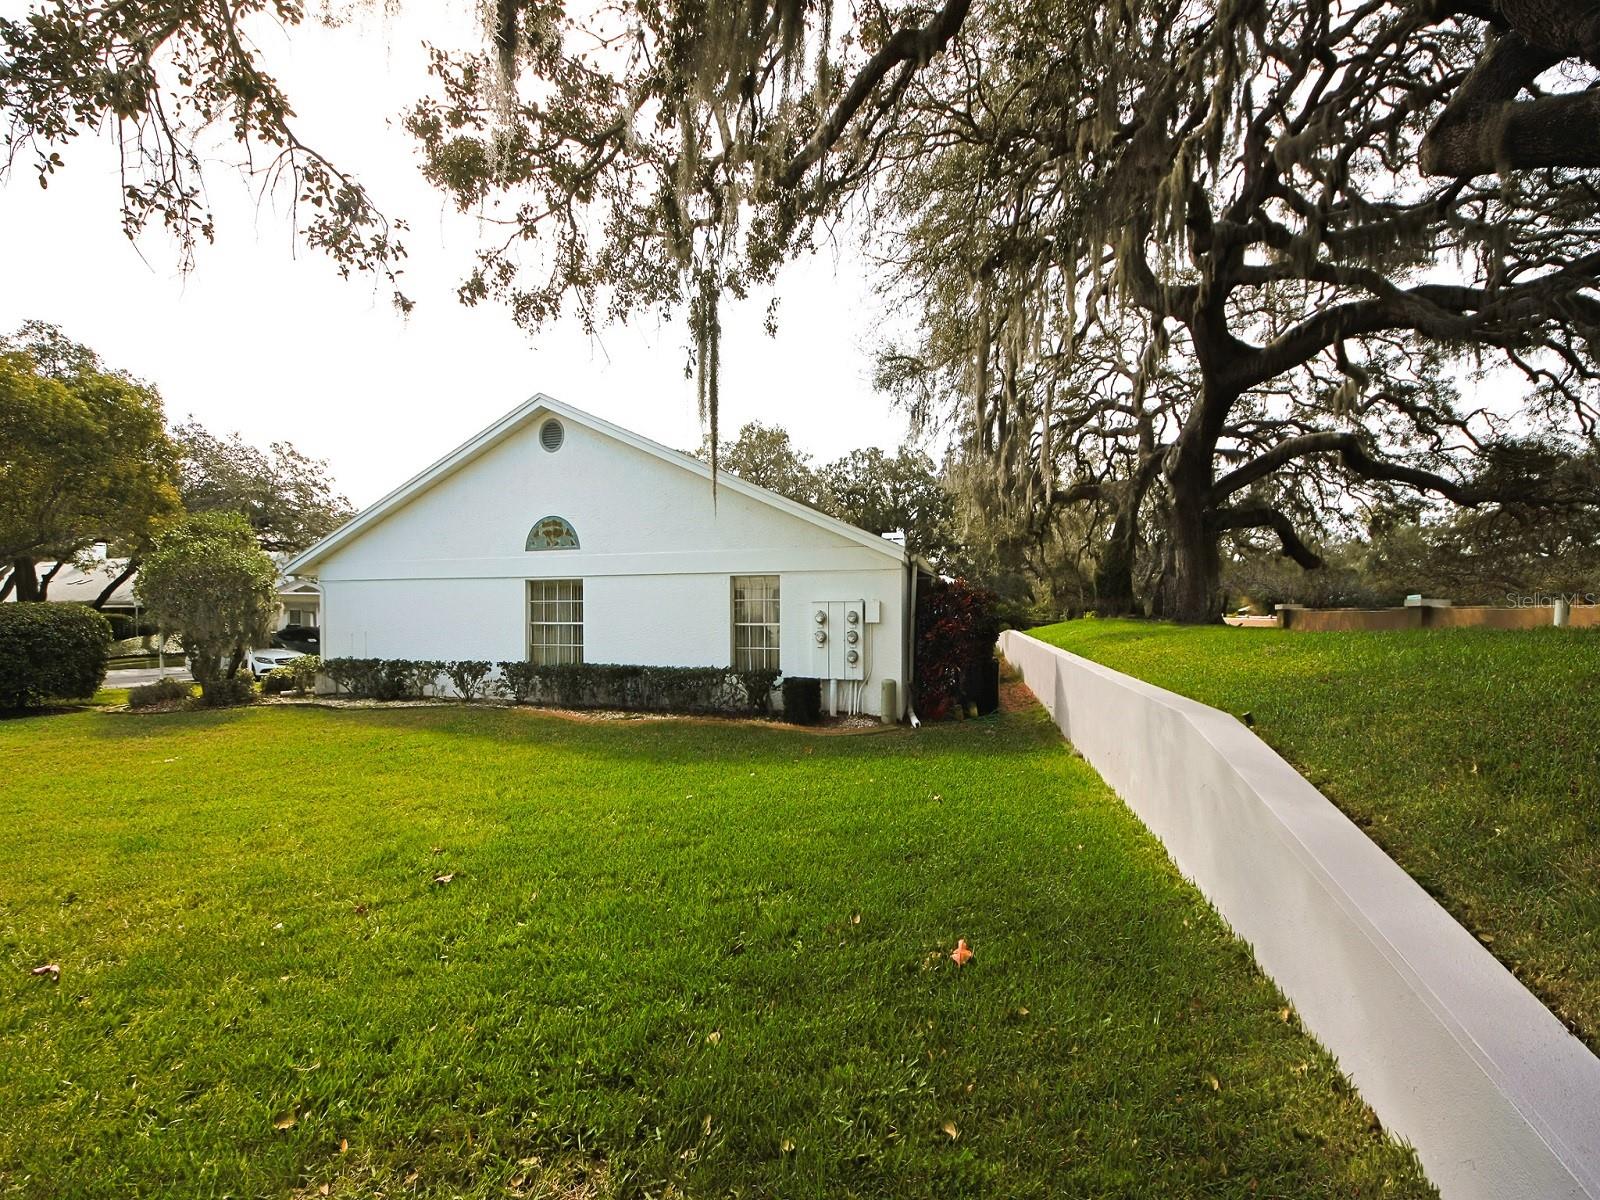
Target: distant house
(557, 537)
(80, 585)
(299, 602)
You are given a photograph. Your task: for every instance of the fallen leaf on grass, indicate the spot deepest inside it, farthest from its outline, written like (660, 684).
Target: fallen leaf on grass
(441, 880)
(287, 1119)
(950, 1130)
(788, 1146)
(436, 850)
(325, 1190)
(1216, 1084)
(962, 954)
(705, 1126)
(1284, 1014)
(714, 1037)
(344, 1145)
(49, 971)
(855, 918)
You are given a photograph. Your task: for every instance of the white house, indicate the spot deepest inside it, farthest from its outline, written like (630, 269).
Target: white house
(556, 536)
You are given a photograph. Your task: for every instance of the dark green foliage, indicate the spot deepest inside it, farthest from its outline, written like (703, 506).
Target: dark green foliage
(277, 682)
(51, 651)
(956, 627)
(382, 678)
(162, 691)
(227, 693)
(126, 625)
(642, 689)
(802, 700)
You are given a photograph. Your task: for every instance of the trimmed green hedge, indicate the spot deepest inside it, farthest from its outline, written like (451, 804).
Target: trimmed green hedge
(576, 685)
(51, 651)
(643, 689)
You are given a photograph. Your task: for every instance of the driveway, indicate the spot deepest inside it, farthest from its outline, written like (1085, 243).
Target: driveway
(137, 676)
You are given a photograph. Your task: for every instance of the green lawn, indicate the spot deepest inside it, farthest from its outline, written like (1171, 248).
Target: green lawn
(673, 958)
(1471, 756)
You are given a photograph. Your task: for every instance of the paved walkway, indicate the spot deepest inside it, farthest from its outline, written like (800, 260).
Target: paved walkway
(136, 676)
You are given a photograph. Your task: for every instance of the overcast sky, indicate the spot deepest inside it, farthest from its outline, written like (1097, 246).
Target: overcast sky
(276, 346)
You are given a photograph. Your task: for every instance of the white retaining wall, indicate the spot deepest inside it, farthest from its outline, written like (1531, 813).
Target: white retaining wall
(1455, 1056)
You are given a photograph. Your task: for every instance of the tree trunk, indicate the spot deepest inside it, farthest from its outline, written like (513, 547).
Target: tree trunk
(26, 575)
(44, 580)
(99, 602)
(1113, 581)
(1193, 590)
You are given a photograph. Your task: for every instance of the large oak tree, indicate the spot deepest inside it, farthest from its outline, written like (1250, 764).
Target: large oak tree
(1278, 226)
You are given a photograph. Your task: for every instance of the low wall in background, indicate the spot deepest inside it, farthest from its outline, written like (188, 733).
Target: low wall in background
(1455, 1056)
(1427, 616)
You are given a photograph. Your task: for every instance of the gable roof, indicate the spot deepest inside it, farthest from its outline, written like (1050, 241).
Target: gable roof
(524, 415)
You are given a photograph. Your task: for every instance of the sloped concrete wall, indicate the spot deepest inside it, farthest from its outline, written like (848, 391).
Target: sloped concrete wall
(1454, 1055)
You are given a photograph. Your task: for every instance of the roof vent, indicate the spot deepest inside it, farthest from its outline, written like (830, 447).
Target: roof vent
(551, 435)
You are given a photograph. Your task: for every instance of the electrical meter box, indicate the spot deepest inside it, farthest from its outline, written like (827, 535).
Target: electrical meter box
(839, 639)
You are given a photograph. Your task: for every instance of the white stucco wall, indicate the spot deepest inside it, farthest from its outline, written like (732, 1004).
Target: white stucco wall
(445, 575)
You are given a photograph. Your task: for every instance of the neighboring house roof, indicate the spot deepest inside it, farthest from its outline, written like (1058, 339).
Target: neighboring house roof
(524, 415)
(73, 584)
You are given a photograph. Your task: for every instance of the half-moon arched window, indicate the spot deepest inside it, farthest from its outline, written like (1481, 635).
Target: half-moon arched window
(552, 533)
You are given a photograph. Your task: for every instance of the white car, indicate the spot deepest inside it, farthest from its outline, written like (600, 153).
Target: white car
(260, 663)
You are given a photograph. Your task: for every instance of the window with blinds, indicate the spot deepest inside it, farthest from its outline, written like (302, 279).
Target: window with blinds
(755, 622)
(555, 621)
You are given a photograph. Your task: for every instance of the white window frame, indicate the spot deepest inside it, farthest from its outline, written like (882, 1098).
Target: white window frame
(554, 610)
(761, 650)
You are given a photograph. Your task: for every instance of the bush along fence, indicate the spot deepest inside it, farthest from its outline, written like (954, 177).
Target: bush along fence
(572, 685)
(955, 665)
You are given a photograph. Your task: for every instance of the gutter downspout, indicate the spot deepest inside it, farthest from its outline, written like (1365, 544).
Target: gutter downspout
(911, 636)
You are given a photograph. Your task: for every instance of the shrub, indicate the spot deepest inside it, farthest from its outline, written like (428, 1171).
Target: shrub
(802, 700)
(209, 581)
(422, 677)
(303, 671)
(469, 677)
(645, 689)
(51, 650)
(358, 677)
(162, 691)
(956, 627)
(226, 693)
(277, 681)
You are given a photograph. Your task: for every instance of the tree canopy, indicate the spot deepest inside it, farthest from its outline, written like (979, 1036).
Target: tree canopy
(1209, 270)
(289, 499)
(867, 488)
(84, 457)
(208, 581)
